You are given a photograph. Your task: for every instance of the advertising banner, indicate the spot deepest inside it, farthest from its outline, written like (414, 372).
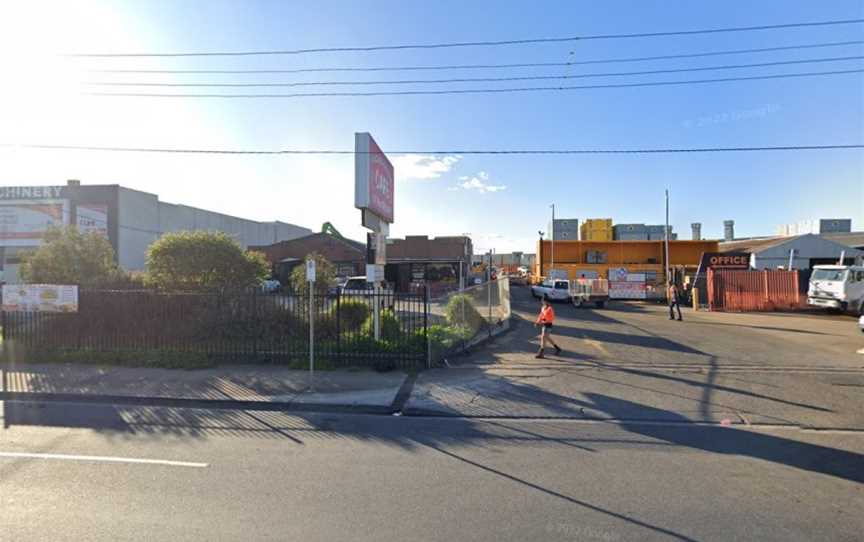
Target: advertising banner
(24, 224)
(628, 290)
(40, 298)
(93, 218)
(373, 178)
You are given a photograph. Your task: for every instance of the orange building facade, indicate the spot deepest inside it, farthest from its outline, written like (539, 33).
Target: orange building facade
(577, 257)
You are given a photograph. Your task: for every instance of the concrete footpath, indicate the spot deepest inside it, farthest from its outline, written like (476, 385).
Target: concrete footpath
(365, 391)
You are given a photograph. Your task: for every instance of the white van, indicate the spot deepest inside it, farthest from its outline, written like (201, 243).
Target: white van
(839, 287)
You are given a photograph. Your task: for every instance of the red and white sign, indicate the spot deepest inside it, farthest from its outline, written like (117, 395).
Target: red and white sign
(628, 290)
(373, 178)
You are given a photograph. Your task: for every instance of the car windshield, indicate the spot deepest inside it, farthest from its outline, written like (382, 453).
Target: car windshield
(355, 284)
(561, 285)
(829, 274)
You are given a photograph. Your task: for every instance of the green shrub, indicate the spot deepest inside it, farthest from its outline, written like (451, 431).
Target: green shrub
(390, 328)
(460, 312)
(352, 314)
(326, 327)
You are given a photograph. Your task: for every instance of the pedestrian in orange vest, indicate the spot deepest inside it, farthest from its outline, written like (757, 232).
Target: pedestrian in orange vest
(545, 321)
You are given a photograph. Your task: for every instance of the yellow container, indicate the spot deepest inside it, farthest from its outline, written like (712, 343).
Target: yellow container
(596, 229)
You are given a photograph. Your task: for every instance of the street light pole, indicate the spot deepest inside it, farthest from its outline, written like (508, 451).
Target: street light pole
(666, 235)
(552, 236)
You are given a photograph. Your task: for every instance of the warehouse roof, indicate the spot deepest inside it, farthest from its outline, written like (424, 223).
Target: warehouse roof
(759, 244)
(816, 246)
(853, 239)
(754, 244)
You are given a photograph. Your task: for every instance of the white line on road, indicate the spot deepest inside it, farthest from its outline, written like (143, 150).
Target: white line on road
(105, 459)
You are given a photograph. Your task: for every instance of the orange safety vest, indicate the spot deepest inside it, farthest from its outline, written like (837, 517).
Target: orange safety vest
(547, 315)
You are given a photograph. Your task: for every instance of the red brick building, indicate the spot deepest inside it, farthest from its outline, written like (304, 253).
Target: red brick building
(437, 262)
(349, 257)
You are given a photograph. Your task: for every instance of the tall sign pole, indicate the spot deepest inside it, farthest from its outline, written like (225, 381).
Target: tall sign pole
(373, 195)
(666, 236)
(552, 237)
(310, 282)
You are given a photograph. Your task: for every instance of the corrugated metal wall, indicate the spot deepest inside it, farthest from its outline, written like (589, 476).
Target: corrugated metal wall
(753, 291)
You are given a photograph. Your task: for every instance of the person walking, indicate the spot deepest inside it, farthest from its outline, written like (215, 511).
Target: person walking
(674, 301)
(545, 321)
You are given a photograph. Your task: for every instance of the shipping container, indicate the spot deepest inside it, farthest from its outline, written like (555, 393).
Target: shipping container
(627, 236)
(596, 229)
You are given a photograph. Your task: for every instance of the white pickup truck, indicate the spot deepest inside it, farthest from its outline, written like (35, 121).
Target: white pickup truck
(553, 290)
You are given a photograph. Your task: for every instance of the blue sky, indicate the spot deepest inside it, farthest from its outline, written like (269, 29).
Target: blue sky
(501, 201)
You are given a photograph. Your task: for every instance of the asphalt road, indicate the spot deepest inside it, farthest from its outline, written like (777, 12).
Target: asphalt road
(233, 475)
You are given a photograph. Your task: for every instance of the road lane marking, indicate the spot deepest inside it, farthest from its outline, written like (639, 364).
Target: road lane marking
(105, 459)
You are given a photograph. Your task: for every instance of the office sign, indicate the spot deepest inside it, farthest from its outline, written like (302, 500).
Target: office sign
(40, 298)
(725, 260)
(373, 178)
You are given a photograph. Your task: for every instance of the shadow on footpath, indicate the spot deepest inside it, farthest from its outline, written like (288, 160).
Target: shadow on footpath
(647, 425)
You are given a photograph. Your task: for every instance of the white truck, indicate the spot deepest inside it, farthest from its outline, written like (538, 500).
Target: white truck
(552, 289)
(580, 292)
(837, 287)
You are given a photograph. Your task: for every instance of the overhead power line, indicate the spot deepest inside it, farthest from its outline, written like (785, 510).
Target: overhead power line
(289, 152)
(476, 90)
(476, 43)
(475, 79)
(496, 66)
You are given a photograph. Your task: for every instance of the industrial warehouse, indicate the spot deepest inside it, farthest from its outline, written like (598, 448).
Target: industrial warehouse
(130, 219)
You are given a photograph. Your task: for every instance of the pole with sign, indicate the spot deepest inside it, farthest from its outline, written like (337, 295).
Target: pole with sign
(373, 195)
(310, 281)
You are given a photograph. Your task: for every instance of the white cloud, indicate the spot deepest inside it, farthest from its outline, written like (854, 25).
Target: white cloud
(478, 183)
(423, 166)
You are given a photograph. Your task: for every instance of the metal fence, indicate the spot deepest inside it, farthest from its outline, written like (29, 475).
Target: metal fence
(239, 327)
(459, 319)
(751, 291)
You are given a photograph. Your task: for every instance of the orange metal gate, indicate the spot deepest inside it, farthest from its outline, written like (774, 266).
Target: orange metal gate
(749, 291)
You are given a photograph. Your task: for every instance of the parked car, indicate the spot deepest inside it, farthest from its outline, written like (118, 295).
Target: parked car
(553, 290)
(358, 287)
(270, 286)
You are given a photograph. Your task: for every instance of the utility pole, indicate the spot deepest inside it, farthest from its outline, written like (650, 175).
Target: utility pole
(668, 276)
(552, 236)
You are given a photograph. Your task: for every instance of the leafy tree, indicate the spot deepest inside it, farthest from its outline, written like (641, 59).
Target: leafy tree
(325, 274)
(203, 261)
(68, 256)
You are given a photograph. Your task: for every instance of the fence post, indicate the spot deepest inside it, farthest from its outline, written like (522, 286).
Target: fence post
(489, 302)
(426, 326)
(3, 339)
(338, 326)
(255, 326)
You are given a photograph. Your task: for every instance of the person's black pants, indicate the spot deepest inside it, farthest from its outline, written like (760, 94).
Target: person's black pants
(672, 306)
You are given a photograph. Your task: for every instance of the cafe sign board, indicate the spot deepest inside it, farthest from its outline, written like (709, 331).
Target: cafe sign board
(40, 298)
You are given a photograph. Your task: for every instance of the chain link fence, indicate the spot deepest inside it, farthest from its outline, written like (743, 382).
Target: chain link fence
(461, 319)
